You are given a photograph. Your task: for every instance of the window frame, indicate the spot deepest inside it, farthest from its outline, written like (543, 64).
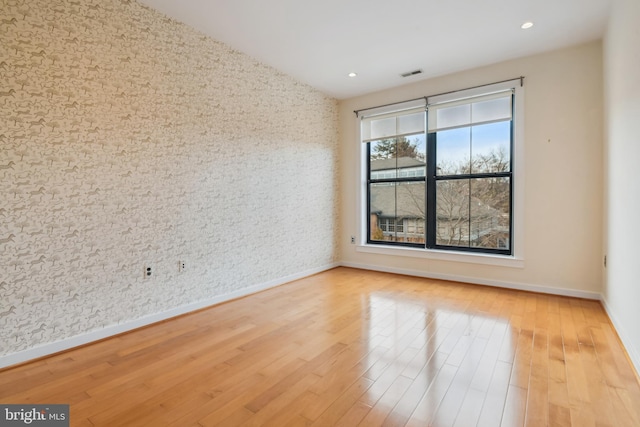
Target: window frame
(517, 184)
(431, 189)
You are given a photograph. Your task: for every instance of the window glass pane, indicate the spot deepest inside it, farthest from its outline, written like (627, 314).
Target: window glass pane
(491, 147)
(392, 206)
(452, 212)
(381, 207)
(411, 208)
(490, 213)
(453, 116)
(398, 157)
(382, 161)
(493, 109)
(416, 148)
(453, 150)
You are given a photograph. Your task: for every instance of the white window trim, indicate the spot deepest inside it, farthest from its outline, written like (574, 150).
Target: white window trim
(516, 260)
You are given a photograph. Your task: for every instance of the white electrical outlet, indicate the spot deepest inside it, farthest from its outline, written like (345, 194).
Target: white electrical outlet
(181, 266)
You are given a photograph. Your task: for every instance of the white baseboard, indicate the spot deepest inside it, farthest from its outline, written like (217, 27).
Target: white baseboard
(78, 340)
(633, 353)
(478, 281)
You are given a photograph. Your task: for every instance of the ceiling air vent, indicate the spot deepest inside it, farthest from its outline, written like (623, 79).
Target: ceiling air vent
(411, 73)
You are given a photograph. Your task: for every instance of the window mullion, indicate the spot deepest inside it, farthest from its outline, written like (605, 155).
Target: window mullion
(368, 213)
(388, 180)
(473, 176)
(431, 191)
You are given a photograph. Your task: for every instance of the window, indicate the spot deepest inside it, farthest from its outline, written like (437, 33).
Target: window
(391, 225)
(396, 171)
(440, 175)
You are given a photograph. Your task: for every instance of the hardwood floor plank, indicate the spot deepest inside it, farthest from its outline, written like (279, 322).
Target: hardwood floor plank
(522, 361)
(426, 409)
(537, 413)
(283, 385)
(383, 407)
(342, 403)
(282, 408)
(625, 406)
(482, 377)
(559, 416)
(238, 417)
(496, 396)
(351, 347)
(576, 378)
(450, 406)
(598, 396)
(336, 379)
(354, 415)
(558, 394)
(515, 407)
(470, 409)
(410, 400)
(624, 370)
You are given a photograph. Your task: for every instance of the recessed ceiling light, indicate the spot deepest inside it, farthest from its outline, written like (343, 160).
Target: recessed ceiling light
(526, 25)
(352, 74)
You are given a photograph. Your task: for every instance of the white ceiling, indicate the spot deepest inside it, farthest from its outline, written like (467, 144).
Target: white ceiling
(320, 42)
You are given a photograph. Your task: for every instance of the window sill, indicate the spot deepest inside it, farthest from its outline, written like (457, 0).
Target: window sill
(470, 258)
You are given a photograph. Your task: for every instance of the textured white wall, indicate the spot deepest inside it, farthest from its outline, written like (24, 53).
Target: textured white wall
(622, 89)
(128, 139)
(563, 173)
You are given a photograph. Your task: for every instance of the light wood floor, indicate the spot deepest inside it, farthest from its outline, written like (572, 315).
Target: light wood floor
(348, 348)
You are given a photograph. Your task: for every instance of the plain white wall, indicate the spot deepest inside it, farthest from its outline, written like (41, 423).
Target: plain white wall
(563, 173)
(622, 227)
